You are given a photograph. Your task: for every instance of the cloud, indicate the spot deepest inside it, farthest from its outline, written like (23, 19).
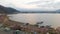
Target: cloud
(47, 4)
(32, 4)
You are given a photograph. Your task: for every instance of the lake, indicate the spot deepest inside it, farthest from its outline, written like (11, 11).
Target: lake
(32, 18)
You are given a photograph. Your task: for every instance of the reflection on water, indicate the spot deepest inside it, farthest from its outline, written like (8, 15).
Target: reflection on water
(33, 18)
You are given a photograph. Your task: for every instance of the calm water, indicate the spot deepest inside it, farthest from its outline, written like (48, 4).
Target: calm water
(33, 18)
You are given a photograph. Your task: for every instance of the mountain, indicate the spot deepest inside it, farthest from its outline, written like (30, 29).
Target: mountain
(8, 10)
(58, 11)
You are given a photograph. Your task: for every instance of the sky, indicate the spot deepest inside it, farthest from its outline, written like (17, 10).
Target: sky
(49, 5)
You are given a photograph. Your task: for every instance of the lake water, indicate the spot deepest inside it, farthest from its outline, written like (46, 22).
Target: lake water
(32, 18)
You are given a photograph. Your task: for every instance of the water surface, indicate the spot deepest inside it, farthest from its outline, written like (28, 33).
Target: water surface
(32, 18)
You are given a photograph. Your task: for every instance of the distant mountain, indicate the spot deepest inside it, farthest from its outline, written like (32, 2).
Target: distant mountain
(11, 10)
(8, 10)
(57, 11)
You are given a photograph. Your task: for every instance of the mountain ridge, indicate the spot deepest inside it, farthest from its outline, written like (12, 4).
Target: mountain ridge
(8, 10)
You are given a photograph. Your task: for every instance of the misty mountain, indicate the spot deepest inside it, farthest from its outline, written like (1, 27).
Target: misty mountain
(57, 11)
(8, 10)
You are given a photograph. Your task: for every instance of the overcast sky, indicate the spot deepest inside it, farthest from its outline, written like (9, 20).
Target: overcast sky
(32, 4)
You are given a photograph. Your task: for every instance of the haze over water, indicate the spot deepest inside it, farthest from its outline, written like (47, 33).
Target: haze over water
(32, 18)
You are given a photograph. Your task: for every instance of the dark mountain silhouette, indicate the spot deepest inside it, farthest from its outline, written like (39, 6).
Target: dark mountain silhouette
(8, 10)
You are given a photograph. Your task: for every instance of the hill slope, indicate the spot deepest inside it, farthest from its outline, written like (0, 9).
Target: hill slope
(8, 10)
